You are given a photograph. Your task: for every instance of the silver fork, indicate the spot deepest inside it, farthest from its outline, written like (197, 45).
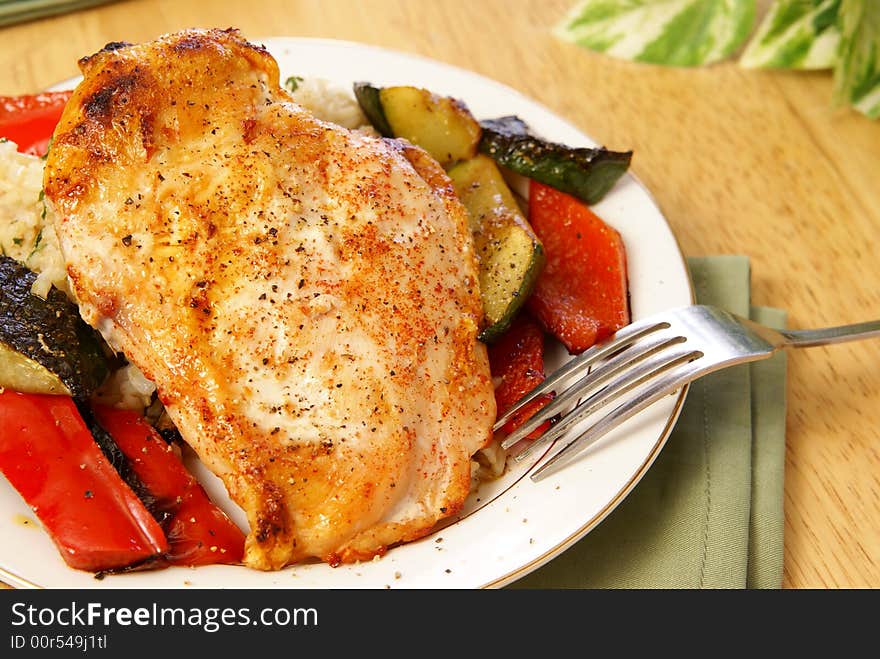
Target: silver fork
(645, 361)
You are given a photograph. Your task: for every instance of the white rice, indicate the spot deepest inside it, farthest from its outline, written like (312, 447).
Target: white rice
(126, 388)
(329, 101)
(26, 229)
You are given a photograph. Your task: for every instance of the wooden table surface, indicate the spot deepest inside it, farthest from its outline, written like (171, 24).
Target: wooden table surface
(748, 162)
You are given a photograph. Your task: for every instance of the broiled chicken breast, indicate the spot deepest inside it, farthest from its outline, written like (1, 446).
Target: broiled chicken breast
(304, 297)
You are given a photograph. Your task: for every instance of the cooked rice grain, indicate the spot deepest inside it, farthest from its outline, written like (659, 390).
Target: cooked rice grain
(330, 102)
(26, 230)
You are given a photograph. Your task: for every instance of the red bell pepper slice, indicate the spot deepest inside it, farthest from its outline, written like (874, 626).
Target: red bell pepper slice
(198, 531)
(517, 357)
(49, 456)
(581, 295)
(30, 120)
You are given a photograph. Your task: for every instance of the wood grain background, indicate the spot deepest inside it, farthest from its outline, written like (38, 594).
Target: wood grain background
(750, 162)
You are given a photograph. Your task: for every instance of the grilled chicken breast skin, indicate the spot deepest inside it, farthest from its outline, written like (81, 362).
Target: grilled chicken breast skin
(304, 297)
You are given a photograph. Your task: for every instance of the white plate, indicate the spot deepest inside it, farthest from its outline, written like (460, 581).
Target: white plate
(509, 527)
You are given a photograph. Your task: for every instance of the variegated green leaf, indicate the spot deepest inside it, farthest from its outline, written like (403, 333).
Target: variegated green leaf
(857, 75)
(796, 34)
(671, 32)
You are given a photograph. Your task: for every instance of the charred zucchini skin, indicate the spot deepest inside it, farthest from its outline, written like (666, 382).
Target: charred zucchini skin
(583, 172)
(49, 333)
(368, 98)
(510, 254)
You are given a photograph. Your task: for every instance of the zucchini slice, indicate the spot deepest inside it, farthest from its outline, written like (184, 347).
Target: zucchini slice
(45, 347)
(583, 172)
(368, 98)
(511, 255)
(441, 125)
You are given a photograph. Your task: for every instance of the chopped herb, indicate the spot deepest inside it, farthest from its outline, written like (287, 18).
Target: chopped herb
(292, 83)
(37, 243)
(42, 199)
(48, 146)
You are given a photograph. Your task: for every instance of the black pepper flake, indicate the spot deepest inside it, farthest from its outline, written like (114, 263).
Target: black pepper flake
(129, 201)
(302, 282)
(443, 509)
(265, 360)
(126, 240)
(89, 494)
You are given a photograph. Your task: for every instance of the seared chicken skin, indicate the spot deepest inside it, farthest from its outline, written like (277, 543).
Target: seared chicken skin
(304, 297)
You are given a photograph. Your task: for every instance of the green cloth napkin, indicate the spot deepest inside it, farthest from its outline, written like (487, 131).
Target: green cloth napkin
(709, 512)
(19, 11)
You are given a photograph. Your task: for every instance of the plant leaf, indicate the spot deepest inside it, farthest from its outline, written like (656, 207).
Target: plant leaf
(670, 32)
(796, 34)
(857, 74)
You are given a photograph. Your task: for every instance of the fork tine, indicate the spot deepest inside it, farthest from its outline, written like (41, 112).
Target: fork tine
(632, 354)
(617, 341)
(629, 380)
(613, 419)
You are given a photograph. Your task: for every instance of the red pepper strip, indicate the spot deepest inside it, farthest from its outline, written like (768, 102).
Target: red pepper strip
(581, 295)
(517, 357)
(30, 120)
(48, 455)
(198, 531)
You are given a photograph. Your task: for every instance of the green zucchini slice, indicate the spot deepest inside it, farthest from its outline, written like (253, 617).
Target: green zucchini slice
(45, 347)
(441, 125)
(368, 98)
(586, 173)
(510, 254)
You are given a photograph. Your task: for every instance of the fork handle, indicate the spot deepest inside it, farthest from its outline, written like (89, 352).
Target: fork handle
(826, 335)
